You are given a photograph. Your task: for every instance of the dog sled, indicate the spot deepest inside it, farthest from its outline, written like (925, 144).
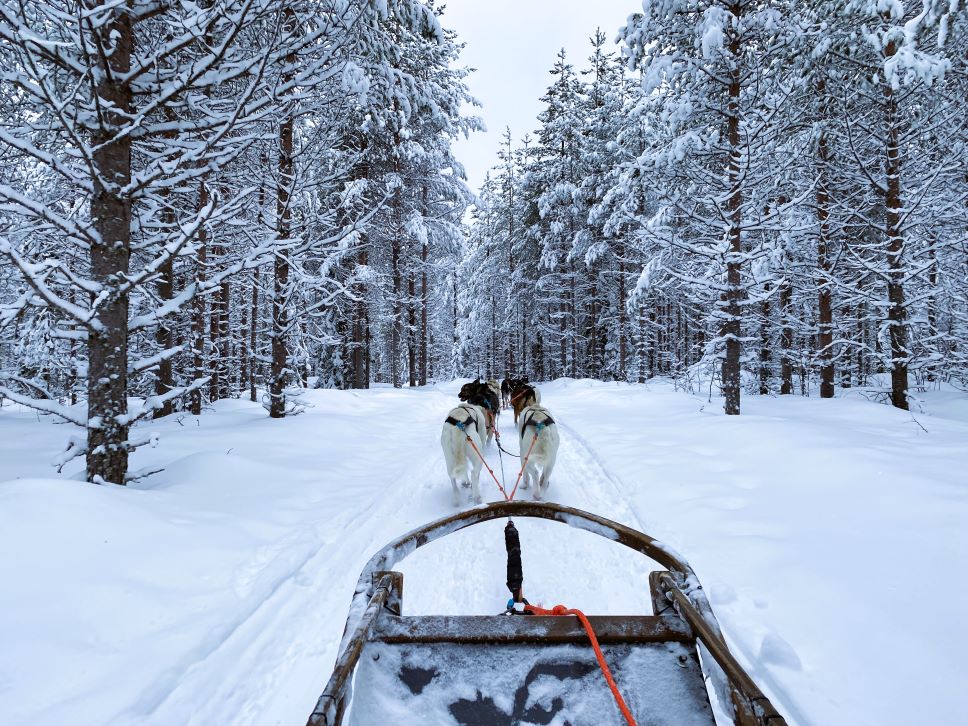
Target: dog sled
(525, 668)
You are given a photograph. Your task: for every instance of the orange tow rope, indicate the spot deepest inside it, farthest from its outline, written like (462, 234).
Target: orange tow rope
(524, 464)
(489, 470)
(562, 610)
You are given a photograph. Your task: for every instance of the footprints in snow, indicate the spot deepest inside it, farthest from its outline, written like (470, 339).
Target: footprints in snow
(773, 650)
(777, 651)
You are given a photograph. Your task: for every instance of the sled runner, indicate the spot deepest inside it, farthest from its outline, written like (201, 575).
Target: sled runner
(531, 669)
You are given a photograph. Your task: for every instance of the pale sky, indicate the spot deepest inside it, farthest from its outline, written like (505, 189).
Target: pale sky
(513, 44)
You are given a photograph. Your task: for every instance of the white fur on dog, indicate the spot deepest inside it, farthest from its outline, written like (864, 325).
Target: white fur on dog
(459, 455)
(545, 451)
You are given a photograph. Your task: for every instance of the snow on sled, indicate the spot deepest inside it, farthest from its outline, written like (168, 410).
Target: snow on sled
(524, 668)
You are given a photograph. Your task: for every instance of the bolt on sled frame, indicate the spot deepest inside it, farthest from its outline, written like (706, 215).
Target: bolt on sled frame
(502, 669)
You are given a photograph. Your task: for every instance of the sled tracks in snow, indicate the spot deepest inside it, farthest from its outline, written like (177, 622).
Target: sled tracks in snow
(285, 635)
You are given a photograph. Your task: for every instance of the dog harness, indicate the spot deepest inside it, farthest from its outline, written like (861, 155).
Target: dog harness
(529, 421)
(479, 397)
(522, 391)
(462, 424)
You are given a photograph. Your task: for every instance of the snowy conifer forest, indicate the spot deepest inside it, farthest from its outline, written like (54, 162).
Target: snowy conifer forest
(244, 274)
(771, 194)
(277, 183)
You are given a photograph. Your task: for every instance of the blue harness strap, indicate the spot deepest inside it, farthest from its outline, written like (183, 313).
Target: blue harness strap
(538, 426)
(462, 425)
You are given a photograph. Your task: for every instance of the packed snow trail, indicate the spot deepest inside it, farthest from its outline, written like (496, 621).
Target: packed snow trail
(465, 572)
(291, 636)
(216, 592)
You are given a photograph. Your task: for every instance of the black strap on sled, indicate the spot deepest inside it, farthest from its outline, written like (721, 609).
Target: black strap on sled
(512, 543)
(517, 605)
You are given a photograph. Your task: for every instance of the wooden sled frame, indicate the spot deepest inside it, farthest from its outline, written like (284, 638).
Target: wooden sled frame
(682, 613)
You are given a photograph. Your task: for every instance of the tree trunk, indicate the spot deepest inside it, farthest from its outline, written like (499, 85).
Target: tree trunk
(538, 364)
(573, 304)
(254, 318)
(562, 314)
(456, 333)
(165, 339)
(73, 374)
(367, 349)
(360, 345)
(592, 367)
(198, 308)
(397, 293)
(861, 335)
(897, 312)
(845, 368)
(280, 297)
(686, 344)
(641, 344)
(731, 329)
(226, 338)
(216, 361)
(492, 358)
(511, 358)
(254, 335)
(107, 452)
(681, 338)
(765, 345)
(932, 301)
(656, 318)
(165, 287)
(622, 314)
(244, 354)
(786, 339)
(424, 302)
(825, 338)
(412, 329)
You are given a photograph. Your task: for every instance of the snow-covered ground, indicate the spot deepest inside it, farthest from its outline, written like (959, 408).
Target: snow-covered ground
(831, 536)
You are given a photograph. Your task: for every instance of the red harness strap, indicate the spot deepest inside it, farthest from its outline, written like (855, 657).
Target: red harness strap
(562, 610)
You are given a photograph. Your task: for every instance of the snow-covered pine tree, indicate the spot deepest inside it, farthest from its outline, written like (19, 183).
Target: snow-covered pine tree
(899, 123)
(556, 169)
(601, 243)
(113, 109)
(711, 77)
(411, 115)
(214, 144)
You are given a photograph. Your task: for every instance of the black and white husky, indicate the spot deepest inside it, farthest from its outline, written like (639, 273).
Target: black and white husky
(534, 420)
(465, 421)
